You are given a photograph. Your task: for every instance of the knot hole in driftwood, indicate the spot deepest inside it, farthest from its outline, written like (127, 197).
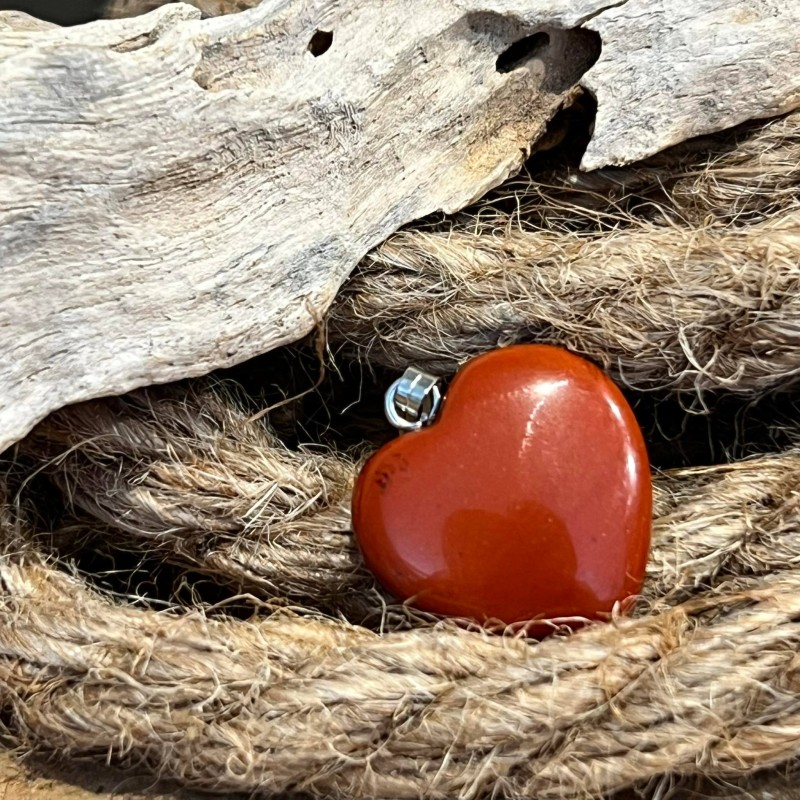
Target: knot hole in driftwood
(320, 42)
(558, 57)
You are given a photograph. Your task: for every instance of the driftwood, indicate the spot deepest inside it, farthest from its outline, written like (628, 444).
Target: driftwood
(179, 194)
(117, 9)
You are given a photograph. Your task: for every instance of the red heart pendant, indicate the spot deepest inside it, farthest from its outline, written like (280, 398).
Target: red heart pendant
(529, 496)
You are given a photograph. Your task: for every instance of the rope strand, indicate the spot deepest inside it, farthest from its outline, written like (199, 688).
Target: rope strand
(191, 475)
(283, 703)
(658, 307)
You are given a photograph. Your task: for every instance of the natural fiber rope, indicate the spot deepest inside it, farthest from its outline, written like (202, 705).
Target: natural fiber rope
(190, 474)
(281, 704)
(187, 474)
(659, 307)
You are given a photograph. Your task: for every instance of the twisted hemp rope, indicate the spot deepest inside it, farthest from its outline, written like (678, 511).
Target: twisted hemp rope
(290, 704)
(191, 474)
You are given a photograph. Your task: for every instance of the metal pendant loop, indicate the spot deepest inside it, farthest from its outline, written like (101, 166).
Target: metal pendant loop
(413, 400)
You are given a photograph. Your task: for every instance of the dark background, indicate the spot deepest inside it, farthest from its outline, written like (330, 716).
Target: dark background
(63, 12)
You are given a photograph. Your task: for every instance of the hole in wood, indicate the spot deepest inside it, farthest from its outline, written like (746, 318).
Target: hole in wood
(571, 53)
(320, 42)
(522, 51)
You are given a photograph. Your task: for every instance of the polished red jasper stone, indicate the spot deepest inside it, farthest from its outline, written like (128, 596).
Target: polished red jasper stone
(529, 497)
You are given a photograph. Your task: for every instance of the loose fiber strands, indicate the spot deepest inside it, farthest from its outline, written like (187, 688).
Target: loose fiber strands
(741, 176)
(687, 309)
(289, 704)
(191, 475)
(187, 474)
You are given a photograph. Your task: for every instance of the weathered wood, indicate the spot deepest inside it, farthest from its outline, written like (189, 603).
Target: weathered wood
(117, 9)
(179, 194)
(674, 69)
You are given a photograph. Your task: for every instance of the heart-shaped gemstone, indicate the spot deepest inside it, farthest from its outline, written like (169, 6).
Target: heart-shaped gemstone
(529, 497)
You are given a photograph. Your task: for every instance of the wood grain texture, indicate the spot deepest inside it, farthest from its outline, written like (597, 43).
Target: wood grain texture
(179, 194)
(709, 65)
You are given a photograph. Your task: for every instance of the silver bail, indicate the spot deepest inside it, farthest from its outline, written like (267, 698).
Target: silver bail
(413, 400)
